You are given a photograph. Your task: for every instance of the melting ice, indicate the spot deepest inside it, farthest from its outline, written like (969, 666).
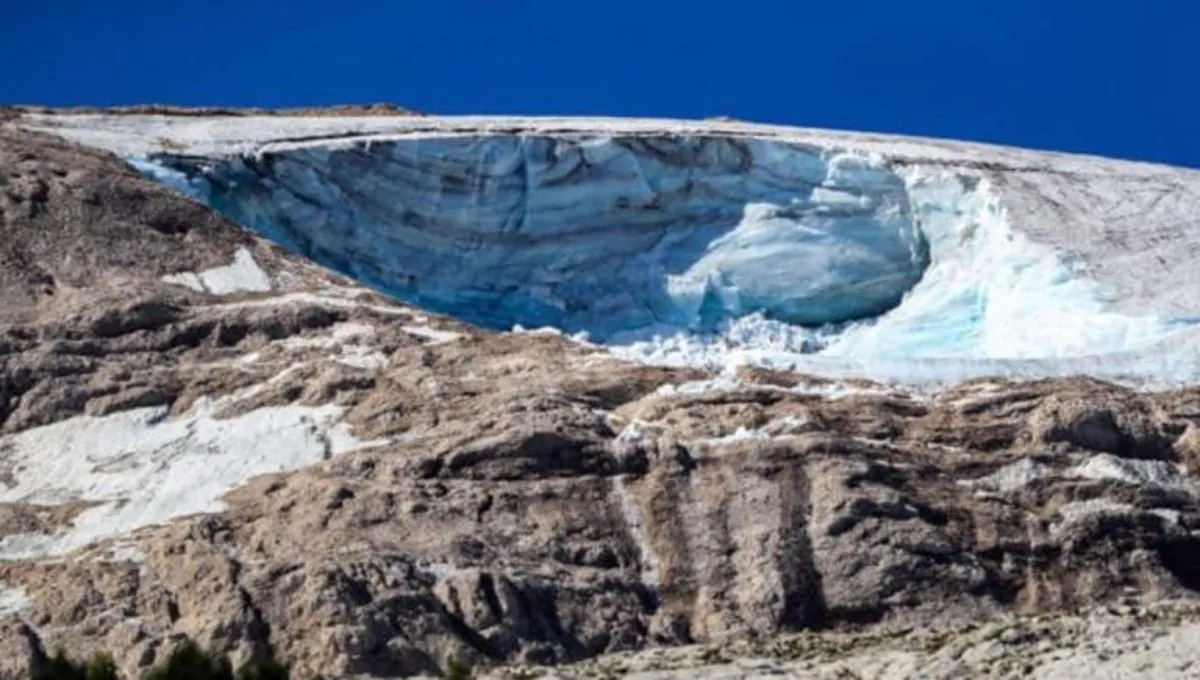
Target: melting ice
(695, 251)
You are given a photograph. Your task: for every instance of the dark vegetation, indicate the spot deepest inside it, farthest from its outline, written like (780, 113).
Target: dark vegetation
(187, 662)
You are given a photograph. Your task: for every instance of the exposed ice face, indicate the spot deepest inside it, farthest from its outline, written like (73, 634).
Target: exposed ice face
(992, 293)
(694, 250)
(603, 235)
(990, 302)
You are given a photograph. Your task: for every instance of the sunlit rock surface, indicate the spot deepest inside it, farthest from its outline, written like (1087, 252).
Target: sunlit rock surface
(206, 436)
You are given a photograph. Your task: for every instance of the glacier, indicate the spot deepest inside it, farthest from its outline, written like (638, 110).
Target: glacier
(595, 235)
(721, 244)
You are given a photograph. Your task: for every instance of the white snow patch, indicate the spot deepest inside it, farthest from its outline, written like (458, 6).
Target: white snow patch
(1168, 515)
(1104, 466)
(791, 425)
(244, 275)
(582, 337)
(338, 334)
(543, 330)
(1078, 511)
(247, 359)
(142, 468)
(345, 332)
(13, 600)
(739, 435)
(1011, 477)
(724, 382)
(126, 552)
(435, 336)
(344, 338)
(360, 358)
(841, 390)
(1136, 472)
(335, 299)
(729, 382)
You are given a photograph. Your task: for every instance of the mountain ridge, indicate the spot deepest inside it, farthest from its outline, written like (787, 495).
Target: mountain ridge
(206, 435)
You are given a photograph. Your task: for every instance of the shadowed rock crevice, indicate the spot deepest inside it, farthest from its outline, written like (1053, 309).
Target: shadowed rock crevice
(803, 592)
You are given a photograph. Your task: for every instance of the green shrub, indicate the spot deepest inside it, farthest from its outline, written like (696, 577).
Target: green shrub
(101, 667)
(186, 662)
(59, 667)
(189, 662)
(263, 669)
(457, 670)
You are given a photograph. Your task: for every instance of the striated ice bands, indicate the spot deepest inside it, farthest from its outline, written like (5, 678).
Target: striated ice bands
(723, 244)
(599, 235)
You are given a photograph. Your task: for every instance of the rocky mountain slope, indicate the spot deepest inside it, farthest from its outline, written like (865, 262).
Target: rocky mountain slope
(204, 435)
(1109, 642)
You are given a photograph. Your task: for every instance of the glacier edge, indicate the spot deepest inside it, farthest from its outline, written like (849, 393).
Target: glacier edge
(1083, 262)
(602, 235)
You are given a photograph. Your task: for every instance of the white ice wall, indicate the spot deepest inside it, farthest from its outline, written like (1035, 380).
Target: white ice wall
(599, 234)
(1041, 263)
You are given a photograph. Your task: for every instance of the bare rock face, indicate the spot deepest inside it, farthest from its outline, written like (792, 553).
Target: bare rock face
(204, 437)
(1111, 642)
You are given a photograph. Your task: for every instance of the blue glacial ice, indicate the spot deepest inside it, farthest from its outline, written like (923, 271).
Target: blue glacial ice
(687, 250)
(991, 302)
(600, 235)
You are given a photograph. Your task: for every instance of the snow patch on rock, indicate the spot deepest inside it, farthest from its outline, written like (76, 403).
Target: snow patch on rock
(141, 467)
(13, 600)
(1100, 467)
(434, 336)
(345, 341)
(1134, 471)
(243, 275)
(1011, 477)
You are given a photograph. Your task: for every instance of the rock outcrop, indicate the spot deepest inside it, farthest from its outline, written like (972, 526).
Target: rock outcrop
(362, 488)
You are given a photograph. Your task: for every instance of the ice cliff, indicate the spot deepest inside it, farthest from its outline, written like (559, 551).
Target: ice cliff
(601, 235)
(691, 243)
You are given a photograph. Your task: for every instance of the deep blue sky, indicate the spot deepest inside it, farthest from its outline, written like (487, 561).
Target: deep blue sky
(1115, 78)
